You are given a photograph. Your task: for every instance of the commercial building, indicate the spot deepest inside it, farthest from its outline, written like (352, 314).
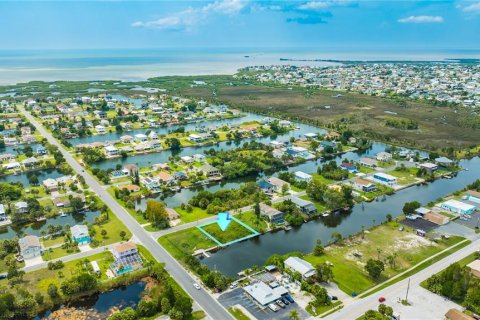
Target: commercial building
(458, 206)
(263, 294)
(473, 196)
(301, 266)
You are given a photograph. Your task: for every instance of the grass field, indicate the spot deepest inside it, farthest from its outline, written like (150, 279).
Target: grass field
(250, 219)
(437, 127)
(185, 242)
(350, 256)
(404, 177)
(237, 314)
(233, 232)
(196, 214)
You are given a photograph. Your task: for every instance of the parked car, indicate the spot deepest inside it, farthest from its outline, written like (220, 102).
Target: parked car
(197, 286)
(289, 298)
(285, 301)
(381, 299)
(233, 285)
(273, 307)
(334, 298)
(3, 275)
(281, 304)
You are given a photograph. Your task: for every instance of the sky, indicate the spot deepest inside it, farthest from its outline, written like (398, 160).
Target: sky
(347, 24)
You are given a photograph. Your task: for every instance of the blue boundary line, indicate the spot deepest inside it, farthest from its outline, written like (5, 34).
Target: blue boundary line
(254, 232)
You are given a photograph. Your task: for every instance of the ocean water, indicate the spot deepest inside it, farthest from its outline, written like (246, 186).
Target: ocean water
(138, 64)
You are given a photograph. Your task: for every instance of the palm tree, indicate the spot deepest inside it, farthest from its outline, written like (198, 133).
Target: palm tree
(294, 315)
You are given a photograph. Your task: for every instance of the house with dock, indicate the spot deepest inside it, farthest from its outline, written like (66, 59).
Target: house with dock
(385, 178)
(30, 247)
(305, 206)
(273, 215)
(80, 234)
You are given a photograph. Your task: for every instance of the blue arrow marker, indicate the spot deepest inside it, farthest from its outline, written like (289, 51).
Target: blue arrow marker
(223, 220)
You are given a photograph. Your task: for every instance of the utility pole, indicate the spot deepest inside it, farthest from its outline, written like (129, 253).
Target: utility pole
(408, 288)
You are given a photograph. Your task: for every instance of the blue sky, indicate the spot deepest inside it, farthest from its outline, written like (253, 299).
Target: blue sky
(355, 25)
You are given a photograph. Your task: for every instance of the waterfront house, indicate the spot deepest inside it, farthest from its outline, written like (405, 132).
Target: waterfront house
(310, 135)
(472, 195)
(199, 157)
(368, 162)
(180, 175)
(100, 129)
(25, 130)
(349, 166)
(21, 207)
(429, 167)
(80, 234)
(302, 176)
(131, 169)
(12, 165)
(384, 156)
(278, 183)
(284, 123)
(305, 268)
(126, 258)
(195, 138)
(7, 157)
(443, 161)
(264, 294)
(266, 187)
(363, 185)
(111, 151)
(30, 163)
(327, 143)
(41, 150)
(187, 159)
(155, 143)
(30, 247)
(165, 177)
(273, 215)
(3, 215)
(50, 184)
(459, 207)
(140, 137)
(126, 139)
(29, 138)
(385, 179)
(129, 187)
(305, 206)
(209, 170)
(151, 184)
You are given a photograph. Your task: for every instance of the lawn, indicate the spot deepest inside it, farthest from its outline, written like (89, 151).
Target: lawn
(365, 170)
(195, 215)
(322, 179)
(185, 242)
(314, 311)
(237, 314)
(320, 206)
(113, 228)
(350, 256)
(404, 177)
(250, 219)
(233, 232)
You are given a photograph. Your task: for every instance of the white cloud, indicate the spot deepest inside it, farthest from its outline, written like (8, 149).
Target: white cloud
(422, 19)
(474, 7)
(187, 19)
(318, 5)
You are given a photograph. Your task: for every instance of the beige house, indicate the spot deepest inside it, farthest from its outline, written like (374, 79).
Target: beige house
(474, 268)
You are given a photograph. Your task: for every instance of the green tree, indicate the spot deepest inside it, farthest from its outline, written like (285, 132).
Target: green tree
(294, 315)
(324, 272)
(410, 207)
(374, 268)
(318, 250)
(157, 214)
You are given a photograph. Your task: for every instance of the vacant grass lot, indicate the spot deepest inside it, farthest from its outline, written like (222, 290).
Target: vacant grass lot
(196, 214)
(250, 219)
(185, 242)
(350, 256)
(233, 232)
(405, 177)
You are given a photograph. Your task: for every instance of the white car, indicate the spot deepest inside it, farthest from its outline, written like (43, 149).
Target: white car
(197, 286)
(273, 307)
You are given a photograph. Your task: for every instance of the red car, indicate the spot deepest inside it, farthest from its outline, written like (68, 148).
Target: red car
(381, 299)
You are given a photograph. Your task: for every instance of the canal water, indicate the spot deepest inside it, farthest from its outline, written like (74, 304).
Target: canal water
(255, 251)
(36, 228)
(23, 177)
(102, 304)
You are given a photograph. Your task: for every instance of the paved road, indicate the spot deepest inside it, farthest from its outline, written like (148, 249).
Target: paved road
(202, 297)
(399, 289)
(68, 258)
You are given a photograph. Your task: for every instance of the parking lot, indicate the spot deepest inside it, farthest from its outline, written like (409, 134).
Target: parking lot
(472, 222)
(419, 223)
(238, 296)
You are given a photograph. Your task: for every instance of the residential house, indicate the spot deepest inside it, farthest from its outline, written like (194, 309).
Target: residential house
(7, 157)
(384, 156)
(385, 179)
(209, 170)
(327, 143)
(111, 151)
(459, 207)
(278, 184)
(368, 162)
(3, 214)
(180, 175)
(349, 166)
(30, 247)
(30, 163)
(274, 215)
(41, 150)
(363, 185)
(266, 187)
(443, 161)
(284, 123)
(195, 138)
(187, 159)
(131, 169)
(155, 143)
(140, 137)
(429, 167)
(199, 157)
(302, 176)
(305, 206)
(129, 187)
(126, 139)
(165, 177)
(172, 214)
(50, 184)
(474, 267)
(100, 129)
(151, 184)
(310, 135)
(305, 268)
(21, 207)
(80, 234)
(126, 258)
